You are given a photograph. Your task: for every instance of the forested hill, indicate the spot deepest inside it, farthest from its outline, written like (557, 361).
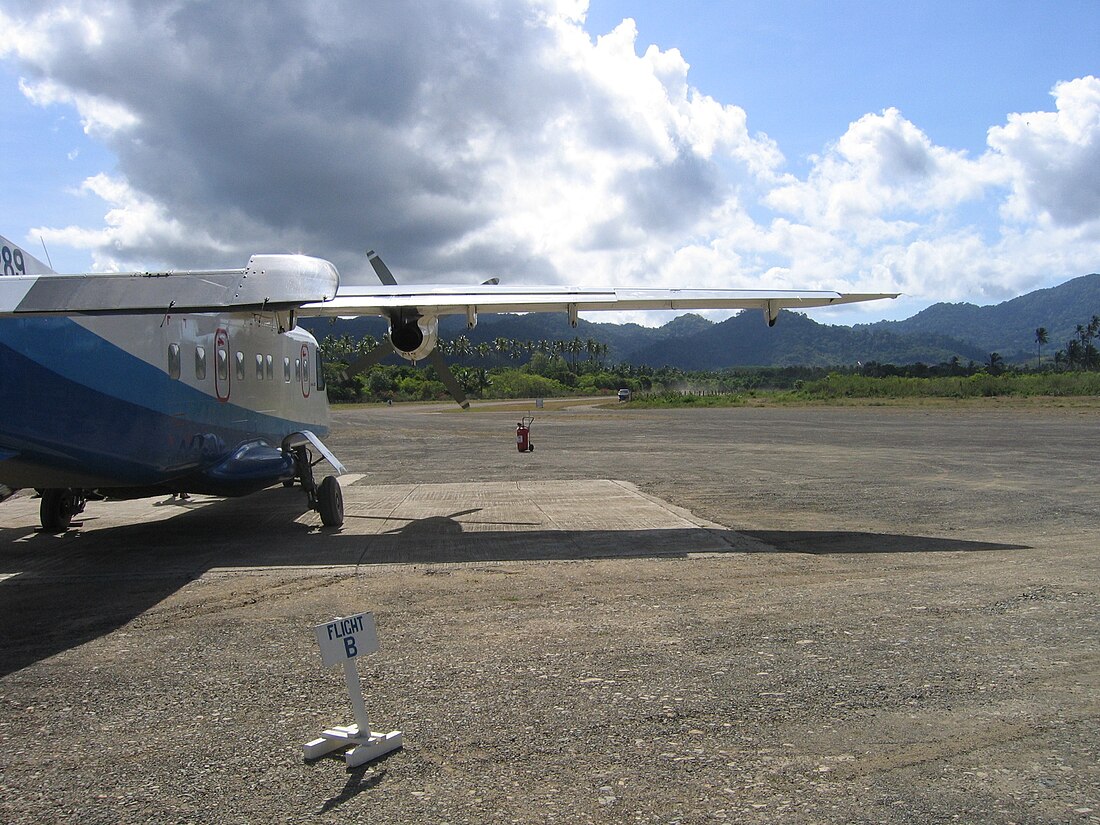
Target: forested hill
(1009, 327)
(745, 340)
(937, 334)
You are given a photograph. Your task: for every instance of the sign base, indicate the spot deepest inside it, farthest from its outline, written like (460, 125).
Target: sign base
(364, 748)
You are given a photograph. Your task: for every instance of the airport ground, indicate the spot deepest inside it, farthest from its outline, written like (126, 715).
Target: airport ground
(798, 615)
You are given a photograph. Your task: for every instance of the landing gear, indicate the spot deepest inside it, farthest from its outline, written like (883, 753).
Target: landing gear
(58, 508)
(330, 502)
(326, 498)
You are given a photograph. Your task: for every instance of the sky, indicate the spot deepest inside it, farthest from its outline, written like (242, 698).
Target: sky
(949, 151)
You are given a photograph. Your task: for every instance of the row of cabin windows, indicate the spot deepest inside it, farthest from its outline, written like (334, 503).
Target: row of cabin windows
(265, 366)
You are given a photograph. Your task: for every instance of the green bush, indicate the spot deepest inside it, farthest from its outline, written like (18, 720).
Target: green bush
(516, 384)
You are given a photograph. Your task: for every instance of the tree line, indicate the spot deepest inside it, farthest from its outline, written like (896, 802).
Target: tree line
(511, 368)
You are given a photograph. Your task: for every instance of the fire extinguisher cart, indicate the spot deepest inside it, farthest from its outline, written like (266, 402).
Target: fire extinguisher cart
(523, 434)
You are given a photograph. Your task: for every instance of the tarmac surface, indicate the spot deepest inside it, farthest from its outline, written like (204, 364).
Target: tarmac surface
(821, 614)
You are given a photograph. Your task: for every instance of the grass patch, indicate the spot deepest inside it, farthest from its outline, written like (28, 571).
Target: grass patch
(865, 390)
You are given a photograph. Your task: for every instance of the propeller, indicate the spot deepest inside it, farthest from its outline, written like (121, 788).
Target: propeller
(435, 358)
(380, 269)
(398, 321)
(365, 362)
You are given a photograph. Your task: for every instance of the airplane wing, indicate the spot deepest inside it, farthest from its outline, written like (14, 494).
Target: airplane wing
(436, 301)
(312, 287)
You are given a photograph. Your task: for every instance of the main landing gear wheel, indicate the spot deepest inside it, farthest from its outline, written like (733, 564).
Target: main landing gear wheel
(326, 498)
(58, 508)
(330, 502)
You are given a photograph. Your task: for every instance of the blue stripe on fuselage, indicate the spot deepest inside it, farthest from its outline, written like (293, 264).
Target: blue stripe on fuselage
(79, 404)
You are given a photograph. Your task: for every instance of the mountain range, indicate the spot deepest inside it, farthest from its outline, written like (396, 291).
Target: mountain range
(691, 342)
(1009, 327)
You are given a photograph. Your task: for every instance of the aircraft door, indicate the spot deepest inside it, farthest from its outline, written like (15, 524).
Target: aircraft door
(305, 371)
(221, 365)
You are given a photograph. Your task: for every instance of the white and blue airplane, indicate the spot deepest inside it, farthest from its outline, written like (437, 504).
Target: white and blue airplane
(122, 386)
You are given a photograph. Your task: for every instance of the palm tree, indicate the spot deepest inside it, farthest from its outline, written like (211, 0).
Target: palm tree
(592, 347)
(1040, 339)
(996, 363)
(574, 348)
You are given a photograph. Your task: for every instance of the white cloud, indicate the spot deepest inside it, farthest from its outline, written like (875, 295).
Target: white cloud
(1054, 157)
(497, 137)
(136, 230)
(99, 115)
(907, 207)
(883, 167)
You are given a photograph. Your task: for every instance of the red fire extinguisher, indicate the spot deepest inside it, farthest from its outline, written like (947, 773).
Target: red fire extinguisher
(523, 435)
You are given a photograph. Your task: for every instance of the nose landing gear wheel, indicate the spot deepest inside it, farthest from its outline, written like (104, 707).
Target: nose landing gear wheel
(330, 502)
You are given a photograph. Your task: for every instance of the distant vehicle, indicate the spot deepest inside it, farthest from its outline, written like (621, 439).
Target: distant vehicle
(624, 394)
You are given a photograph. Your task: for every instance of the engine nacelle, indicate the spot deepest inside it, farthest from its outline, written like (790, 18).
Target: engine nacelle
(414, 338)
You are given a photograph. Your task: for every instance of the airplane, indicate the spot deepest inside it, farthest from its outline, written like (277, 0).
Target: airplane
(141, 384)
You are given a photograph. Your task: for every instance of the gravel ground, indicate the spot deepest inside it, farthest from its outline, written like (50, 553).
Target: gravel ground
(918, 645)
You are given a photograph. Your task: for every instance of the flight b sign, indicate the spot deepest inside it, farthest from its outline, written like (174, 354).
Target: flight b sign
(344, 639)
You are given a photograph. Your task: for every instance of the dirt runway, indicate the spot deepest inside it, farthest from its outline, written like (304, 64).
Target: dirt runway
(813, 615)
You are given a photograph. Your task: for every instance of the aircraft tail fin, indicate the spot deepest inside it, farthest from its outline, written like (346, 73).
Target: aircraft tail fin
(17, 261)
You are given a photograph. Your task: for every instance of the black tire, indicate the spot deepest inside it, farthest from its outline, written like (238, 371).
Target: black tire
(330, 502)
(57, 510)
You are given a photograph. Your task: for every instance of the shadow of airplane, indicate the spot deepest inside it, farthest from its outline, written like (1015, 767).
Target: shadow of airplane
(824, 542)
(63, 591)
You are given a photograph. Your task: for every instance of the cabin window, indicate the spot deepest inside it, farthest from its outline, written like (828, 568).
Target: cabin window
(270, 368)
(320, 370)
(286, 370)
(200, 363)
(240, 366)
(259, 368)
(174, 360)
(305, 367)
(297, 370)
(223, 364)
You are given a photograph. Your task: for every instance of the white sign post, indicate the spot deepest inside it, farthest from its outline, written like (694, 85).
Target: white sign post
(341, 641)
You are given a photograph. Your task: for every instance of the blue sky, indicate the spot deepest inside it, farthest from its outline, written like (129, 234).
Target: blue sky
(49, 156)
(803, 70)
(947, 150)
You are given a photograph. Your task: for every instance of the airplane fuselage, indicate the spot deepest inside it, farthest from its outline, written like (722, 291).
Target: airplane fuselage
(135, 405)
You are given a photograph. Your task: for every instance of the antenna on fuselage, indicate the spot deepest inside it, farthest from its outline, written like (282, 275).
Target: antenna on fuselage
(43, 242)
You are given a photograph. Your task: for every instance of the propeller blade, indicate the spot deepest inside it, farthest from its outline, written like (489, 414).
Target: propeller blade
(380, 269)
(365, 362)
(435, 358)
